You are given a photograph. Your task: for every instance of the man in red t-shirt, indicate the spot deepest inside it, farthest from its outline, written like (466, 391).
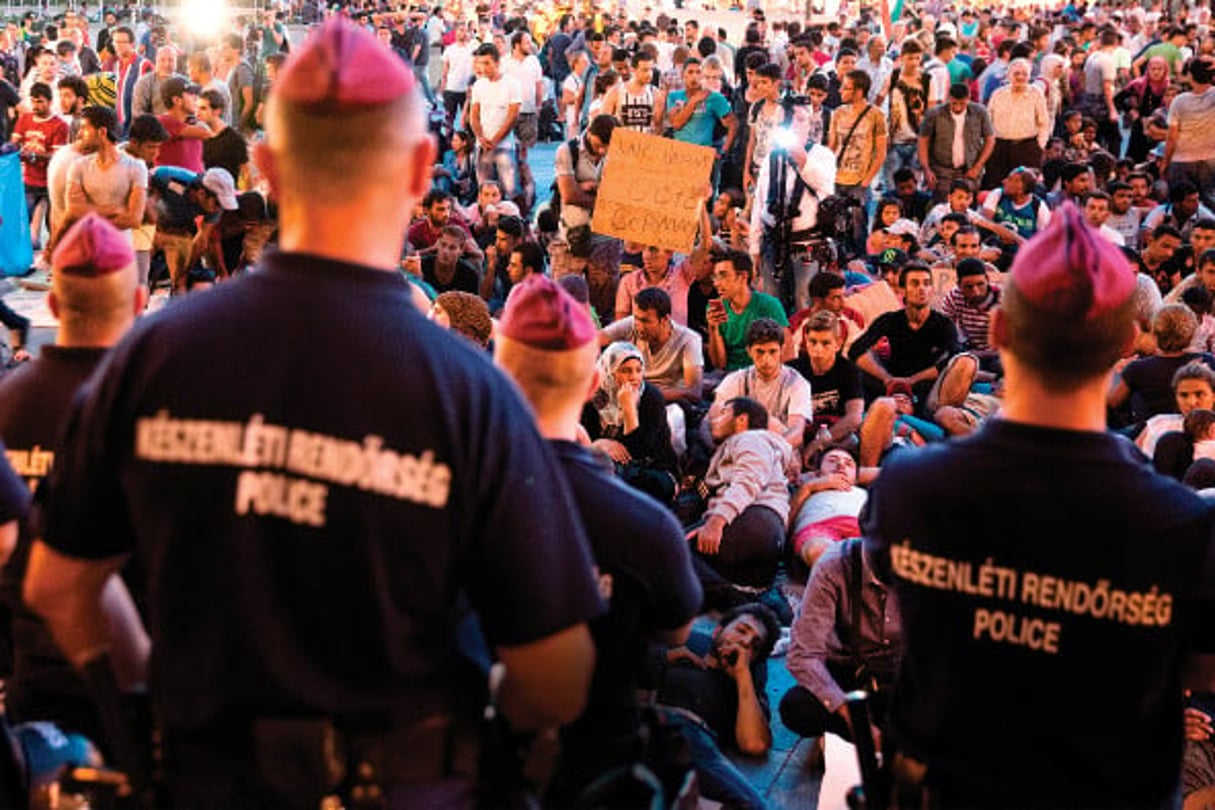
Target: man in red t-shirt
(38, 134)
(186, 133)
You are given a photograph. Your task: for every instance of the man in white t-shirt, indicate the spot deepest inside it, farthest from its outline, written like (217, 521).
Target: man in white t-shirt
(571, 92)
(457, 74)
(496, 101)
(779, 388)
(523, 66)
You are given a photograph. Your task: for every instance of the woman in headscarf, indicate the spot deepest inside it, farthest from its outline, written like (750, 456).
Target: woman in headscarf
(1138, 100)
(1051, 81)
(626, 419)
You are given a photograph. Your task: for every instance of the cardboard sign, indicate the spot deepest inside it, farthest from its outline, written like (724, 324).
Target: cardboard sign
(650, 188)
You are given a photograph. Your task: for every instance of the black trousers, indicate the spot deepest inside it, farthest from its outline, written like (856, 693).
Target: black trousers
(749, 554)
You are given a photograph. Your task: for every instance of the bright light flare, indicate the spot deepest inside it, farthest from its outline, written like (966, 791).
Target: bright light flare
(204, 19)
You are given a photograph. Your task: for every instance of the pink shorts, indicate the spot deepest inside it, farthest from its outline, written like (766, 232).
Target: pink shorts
(832, 530)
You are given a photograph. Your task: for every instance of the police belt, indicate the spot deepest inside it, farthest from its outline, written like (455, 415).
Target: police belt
(432, 749)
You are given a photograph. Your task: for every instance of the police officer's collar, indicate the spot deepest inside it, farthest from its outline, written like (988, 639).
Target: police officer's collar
(321, 268)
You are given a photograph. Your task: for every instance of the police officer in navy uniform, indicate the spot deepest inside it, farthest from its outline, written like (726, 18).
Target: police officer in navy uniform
(548, 344)
(96, 296)
(316, 479)
(1052, 585)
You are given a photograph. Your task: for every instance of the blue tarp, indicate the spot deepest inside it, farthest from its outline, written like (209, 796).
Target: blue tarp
(16, 253)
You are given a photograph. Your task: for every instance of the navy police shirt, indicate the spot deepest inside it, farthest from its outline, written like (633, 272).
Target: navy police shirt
(34, 402)
(645, 573)
(313, 474)
(1050, 585)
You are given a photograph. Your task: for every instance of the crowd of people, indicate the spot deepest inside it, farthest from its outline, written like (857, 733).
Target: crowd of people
(951, 292)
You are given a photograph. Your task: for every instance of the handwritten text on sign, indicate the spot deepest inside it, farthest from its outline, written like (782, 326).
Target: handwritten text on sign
(650, 188)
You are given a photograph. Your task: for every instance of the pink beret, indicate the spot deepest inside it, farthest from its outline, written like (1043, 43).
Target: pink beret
(540, 314)
(92, 247)
(340, 67)
(1071, 270)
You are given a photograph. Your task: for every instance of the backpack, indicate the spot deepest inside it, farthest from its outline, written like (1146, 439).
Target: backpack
(925, 86)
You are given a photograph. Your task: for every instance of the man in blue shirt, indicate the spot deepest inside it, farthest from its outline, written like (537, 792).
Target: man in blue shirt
(695, 109)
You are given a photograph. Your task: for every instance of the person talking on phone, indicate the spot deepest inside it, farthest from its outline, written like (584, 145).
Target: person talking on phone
(736, 309)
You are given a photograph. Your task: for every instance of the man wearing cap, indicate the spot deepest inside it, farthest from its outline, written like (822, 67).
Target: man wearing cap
(96, 296)
(186, 133)
(179, 198)
(547, 344)
(956, 139)
(1101, 596)
(393, 472)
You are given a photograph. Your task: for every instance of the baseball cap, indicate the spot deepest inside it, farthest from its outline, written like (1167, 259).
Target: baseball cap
(1071, 270)
(892, 257)
(542, 315)
(342, 67)
(219, 182)
(903, 227)
(92, 247)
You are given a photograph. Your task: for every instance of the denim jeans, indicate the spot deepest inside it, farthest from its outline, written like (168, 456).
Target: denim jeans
(499, 165)
(719, 779)
(900, 156)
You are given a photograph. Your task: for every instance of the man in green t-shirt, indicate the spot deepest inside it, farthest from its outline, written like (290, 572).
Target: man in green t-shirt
(739, 305)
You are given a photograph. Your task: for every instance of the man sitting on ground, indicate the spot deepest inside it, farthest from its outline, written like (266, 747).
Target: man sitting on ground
(921, 342)
(835, 384)
(782, 391)
(445, 268)
(672, 354)
(847, 636)
(739, 305)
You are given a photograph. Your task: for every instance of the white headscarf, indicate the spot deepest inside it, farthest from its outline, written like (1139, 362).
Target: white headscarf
(607, 399)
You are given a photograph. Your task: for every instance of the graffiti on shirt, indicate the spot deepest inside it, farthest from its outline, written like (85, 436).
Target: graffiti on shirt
(309, 462)
(33, 464)
(1098, 600)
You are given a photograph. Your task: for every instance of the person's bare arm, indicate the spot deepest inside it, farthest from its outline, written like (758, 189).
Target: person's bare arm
(573, 194)
(682, 114)
(132, 217)
(547, 680)
(199, 131)
(930, 179)
(751, 731)
(691, 387)
(1170, 142)
(869, 364)
(730, 122)
(660, 111)
(87, 610)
